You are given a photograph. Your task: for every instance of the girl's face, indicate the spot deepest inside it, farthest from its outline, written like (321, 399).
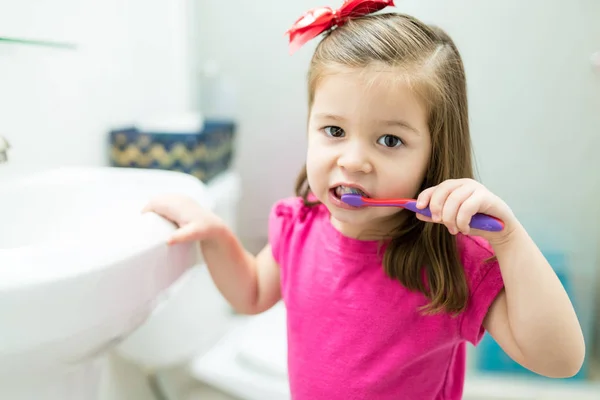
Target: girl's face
(367, 131)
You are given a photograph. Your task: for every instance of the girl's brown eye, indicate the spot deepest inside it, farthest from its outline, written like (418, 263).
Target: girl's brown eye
(390, 141)
(334, 131)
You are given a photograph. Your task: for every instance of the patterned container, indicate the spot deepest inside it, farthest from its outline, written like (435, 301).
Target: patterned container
(203, 154)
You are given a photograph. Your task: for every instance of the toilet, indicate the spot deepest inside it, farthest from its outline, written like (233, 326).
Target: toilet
(250, 361)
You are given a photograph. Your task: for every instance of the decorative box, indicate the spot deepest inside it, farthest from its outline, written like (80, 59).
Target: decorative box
(203, 154)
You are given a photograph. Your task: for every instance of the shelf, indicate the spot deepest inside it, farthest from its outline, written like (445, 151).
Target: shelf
(37, 43)
(55, 24)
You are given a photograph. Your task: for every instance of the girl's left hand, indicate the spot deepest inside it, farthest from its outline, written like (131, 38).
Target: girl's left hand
(455, 201)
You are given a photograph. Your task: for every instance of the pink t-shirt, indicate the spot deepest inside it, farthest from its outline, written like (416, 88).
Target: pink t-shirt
(354, 333)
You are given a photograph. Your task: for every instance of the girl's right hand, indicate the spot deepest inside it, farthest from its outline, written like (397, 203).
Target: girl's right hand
(194, 222)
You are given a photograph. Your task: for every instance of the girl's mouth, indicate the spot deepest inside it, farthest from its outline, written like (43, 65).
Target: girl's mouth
(338, 191)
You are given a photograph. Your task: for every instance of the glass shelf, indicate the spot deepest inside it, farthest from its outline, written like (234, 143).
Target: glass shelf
(37, 43)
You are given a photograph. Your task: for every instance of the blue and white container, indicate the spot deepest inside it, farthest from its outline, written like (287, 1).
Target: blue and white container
(202, 148)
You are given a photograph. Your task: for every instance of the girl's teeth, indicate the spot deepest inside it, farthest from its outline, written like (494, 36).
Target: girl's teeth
(341, 190)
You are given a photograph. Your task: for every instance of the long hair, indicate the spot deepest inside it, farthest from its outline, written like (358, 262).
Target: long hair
(430, 62)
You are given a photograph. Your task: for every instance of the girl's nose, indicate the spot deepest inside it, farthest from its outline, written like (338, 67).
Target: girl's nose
(355, 159)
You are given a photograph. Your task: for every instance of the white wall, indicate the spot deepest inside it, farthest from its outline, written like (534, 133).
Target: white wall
(247, 38)
(56, 106)
(534, 99)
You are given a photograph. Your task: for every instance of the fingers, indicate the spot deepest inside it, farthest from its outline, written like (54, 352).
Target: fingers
(450, 210)
(424, 197)
(178, 209)
(188, 216)
(160, 205)
(147, 208)
(468, 208)
(153, 207)
(452, 203)
(188, 233)
(439, 196)
(193, 222)
(423, 217)
(208, 227)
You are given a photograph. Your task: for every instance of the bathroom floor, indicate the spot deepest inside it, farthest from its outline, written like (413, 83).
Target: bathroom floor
(178, 384)
(204, 392)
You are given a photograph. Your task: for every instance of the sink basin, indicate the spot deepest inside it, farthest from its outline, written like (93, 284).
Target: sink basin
(80, 268)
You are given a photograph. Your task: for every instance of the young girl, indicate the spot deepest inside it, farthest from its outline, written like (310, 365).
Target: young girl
(381, 302)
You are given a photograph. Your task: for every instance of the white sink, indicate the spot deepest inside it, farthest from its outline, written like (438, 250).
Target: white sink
(80, 268)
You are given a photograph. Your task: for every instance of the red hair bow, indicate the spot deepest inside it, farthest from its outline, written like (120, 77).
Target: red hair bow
(318, 20)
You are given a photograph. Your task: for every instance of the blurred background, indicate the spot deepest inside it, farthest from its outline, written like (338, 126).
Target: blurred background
(113, 82)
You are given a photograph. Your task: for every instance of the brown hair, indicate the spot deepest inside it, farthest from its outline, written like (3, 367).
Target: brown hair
(428, 59)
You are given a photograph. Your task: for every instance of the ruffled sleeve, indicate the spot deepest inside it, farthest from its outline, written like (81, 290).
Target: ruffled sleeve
(283, 215)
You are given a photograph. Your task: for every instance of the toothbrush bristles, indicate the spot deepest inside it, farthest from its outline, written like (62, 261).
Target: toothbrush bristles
(353, 199)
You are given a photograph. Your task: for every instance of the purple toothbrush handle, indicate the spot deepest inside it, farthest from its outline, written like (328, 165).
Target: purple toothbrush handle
(480, 221)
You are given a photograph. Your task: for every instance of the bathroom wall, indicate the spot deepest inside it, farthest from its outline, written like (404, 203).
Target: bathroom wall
(534, 100)
(132, 61)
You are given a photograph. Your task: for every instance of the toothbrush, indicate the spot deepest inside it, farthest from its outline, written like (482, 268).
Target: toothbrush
(478, 221)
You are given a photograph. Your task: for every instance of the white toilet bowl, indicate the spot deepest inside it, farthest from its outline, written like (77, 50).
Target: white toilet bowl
(250, 362)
